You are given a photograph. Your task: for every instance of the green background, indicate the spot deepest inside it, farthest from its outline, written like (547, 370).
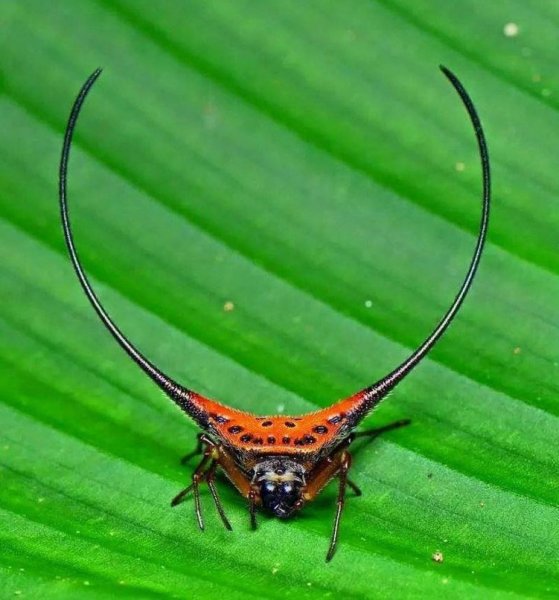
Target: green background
(308, 162)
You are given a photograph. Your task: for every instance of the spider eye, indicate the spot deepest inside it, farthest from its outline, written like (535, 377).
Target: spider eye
(269, 486)
(287, 488)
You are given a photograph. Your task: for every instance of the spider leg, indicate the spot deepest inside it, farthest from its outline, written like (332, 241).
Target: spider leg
(252, 509)
(373, 433)
(199, 475)
(210, 480)
(356, 490)
(181, 495)
(215, 455)
(342, 474)
(196, 451)
(198, 505)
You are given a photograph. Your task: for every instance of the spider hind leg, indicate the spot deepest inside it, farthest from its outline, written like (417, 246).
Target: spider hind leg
(196, 452)
(373, 433)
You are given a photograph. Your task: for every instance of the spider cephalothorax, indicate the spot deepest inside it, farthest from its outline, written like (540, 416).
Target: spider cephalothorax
(278, 463)
(280, 483)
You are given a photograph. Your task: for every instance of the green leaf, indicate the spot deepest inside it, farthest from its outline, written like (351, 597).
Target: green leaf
(307, 162)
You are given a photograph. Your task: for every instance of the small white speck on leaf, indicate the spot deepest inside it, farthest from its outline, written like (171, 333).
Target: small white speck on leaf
(228, 306)
(437, 556)
(511, 30)
(368, 303)
(280, 408)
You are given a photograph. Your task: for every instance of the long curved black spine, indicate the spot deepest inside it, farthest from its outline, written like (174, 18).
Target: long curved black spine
(373, 394)
(179, 394)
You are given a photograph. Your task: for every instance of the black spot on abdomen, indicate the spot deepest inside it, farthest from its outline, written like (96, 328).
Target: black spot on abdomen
(322, 429)
(219, 418)
(336, 419)
(305, 440)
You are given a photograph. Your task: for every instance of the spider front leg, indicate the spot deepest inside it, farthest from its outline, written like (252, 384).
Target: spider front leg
(198, 476)
(206, 473)
(345, 464)
(336, 465)
(340, 467)
(252, 509)
(210, 480)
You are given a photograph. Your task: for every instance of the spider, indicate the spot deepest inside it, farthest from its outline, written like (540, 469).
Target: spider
(277, 463)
